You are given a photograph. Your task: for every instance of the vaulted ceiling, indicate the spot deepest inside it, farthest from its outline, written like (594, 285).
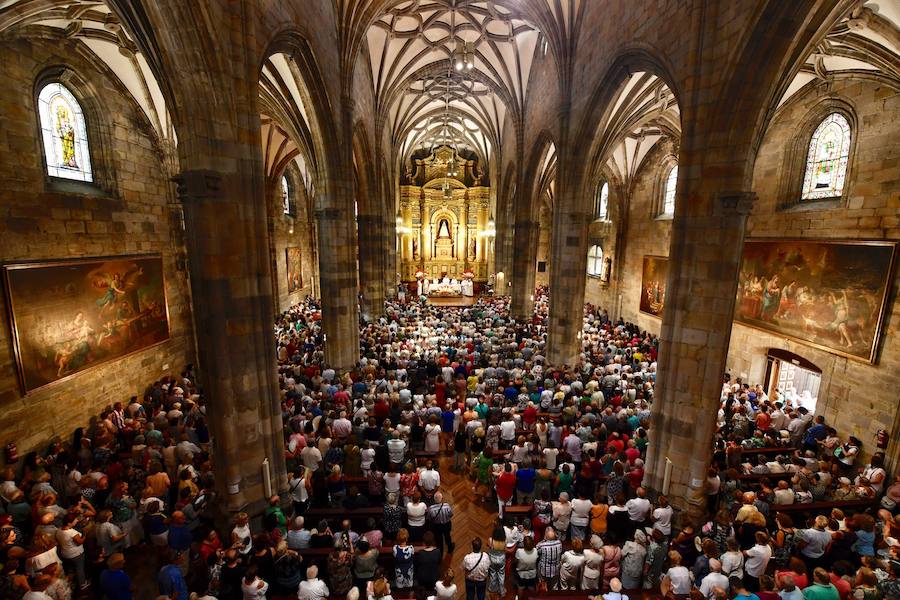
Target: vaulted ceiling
(94, 24)
(426, 99)
(865, 44)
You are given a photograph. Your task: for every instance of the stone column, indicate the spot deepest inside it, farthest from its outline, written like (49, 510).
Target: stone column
(525, 234)
(371, 263)
(337, 278)
(232, 307)
(704, 264)
(568, 254)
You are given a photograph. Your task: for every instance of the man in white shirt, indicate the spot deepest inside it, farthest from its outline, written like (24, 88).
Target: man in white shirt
(581, 516)
(396, 449)
(713, 580)
(313, 588)
(638, 508)
(429, 480)
(662, 517)
(475, 567)
(757, 559)
(507, 433)
(783, 493)
(779, 419)
(311, 458)
(342, 427)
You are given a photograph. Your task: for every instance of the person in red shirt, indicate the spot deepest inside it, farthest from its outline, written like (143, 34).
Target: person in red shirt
(530, 415)
(763, 419)
(505, 487)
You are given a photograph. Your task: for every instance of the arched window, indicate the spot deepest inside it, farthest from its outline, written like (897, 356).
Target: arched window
(285, 196)
(595, 261)
(826, 161)
(64, 134)
(668, 199)
(601, 203)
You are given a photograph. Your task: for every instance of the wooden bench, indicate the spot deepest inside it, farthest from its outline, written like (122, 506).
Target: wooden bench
(824, 507)
(771, 450)
(334, 515)
(517, 510)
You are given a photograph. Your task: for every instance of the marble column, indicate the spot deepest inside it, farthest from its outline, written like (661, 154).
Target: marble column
(568, 255)
(337, 278)
(704, 265)
(525, 237)
(372, 257)
(232, 307)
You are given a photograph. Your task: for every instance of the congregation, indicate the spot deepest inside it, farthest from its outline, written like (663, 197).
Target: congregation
(450, 393)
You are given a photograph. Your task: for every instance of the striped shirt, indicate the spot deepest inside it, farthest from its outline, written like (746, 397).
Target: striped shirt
(549, 553)
(440, 514)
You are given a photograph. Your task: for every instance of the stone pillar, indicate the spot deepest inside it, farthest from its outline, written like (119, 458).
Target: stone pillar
(371, 263)
(523, 268)
(704, 264)
(337, 279)
(568, 240)
(232, 307)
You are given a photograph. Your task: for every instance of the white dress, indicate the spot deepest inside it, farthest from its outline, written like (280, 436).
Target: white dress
(432, 437)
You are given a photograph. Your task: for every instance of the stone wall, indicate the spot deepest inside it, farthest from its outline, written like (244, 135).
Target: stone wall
(644, 234)
(295, 230)
(859, 398)
(38, 221)
(871, 210)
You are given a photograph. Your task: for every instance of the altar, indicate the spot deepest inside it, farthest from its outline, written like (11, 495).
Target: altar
(446, 288)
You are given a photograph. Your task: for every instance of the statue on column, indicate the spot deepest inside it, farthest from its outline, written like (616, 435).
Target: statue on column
(607, 270)
(415, 249)
(473, 249)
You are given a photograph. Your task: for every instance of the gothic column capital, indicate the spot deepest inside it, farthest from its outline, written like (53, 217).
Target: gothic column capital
(738, 204)
(198, 184)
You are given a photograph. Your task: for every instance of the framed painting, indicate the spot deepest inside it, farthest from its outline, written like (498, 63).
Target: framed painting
(294, 269)
(69, 316)
(654, 274)
(829, 294)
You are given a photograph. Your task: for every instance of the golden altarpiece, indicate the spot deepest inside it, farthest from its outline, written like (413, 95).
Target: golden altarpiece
(444, 227)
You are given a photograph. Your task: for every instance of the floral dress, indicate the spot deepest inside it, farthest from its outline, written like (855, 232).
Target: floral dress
(340, 578)
(403, 566)
(392, 519)
(496, 572)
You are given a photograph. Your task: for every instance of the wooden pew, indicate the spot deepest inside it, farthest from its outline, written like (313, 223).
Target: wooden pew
(334, 516)
(825, 507)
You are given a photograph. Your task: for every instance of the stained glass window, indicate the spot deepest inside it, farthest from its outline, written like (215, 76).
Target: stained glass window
(285, 196)
(601, 210)
(668, 205)
(826, 162)
(65, 137)
(595, 261)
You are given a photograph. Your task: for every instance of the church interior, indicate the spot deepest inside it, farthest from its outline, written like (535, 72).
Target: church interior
(450, 299)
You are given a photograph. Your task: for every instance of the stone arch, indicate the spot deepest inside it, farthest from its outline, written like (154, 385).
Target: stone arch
(314, 96)
(533, 173)
(602, 141)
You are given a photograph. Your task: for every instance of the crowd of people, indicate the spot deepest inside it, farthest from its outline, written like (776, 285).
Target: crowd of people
(556, 450)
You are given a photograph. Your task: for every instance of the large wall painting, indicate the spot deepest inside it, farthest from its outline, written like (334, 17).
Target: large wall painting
(828, 294)
(69, 316)
(294, 269)
(654, 275)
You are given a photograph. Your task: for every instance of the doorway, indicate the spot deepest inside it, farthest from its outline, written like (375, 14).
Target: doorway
(796, 379)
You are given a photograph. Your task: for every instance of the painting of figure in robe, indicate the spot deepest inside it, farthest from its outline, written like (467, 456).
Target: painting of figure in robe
(654, 274)
(829, 294)
(69, 316)
(294, 269)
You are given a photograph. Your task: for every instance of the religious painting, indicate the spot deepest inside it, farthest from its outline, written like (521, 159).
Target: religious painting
(654, 275)
(69, 316)
(828, 294)
(294, 269)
